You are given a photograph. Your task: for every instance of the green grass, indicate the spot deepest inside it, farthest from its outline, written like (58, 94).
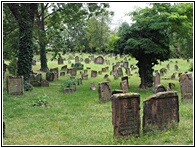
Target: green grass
(80, 118)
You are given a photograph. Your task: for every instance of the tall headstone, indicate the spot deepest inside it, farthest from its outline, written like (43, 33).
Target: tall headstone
(157, 80)
(127, 79)
(104, 91)
(160, 111)
(76, 59)
(124, 86)
(126, 114)
(186, 86)
(74, 72)
(120, 72)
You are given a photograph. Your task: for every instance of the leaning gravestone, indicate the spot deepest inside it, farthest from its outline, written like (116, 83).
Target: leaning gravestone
(124, 86)
(126, 114)
(157, 79)
(55, 70)
(160, 110)
(35, 83)
(186, 86)
(15, 85)
(99, 60)
(104, 91)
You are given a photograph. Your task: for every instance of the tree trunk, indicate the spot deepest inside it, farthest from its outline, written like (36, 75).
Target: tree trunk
(42, 40)
(24, 14)
(145, 73)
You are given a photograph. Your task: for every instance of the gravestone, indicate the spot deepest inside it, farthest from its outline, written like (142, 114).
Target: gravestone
(171, 85)
(173, 76)
(55, 70)
(99, 60)
(79, 81)
(93, 74)
(85, 71)
(64, 68)
(125, 65)
(127, 71)
(39, 77)
(186, 86)
(86, 60)
(50, 76)
(105, 76)
(176, 67)
(114, 68)
(159, 88)
(44, 83)
(157, 79)
(104, 91)
(168, 66)
(15, 85)
(120, 72)
(76, 59)
(99, 72)
(92, 86)
(69, 70)
(124, 86)
(62, 73)
(35, 83)
(127, 79)
(160, 111)
(74, 72)
(126, 114)
(104, 70)
(85, 77)
(60, 61)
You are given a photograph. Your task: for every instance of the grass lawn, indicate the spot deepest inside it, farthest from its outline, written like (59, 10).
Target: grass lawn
(80, 118)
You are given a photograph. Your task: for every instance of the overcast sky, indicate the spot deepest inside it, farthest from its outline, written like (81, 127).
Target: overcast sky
(121, 8)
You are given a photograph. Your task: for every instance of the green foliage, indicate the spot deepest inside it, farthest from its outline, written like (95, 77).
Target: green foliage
(27, 86)
(191, 67)
(68, 83)
(40, 100)
(78, 66)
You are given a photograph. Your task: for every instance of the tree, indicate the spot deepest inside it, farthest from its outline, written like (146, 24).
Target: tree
(24, 14)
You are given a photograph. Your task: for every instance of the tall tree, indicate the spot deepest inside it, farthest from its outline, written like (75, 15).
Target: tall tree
(24, 14)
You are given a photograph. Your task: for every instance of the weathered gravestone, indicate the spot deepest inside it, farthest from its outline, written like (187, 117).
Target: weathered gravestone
(127, 79)
(120, 72)
(93, 74)
(104, 69)
(124, 86)
(86, 60)
(104, 91)
(125, 65)
(114, 68)
(160, 111)
(79, 81)
(15, 85)
(176, 67)
(50, 76)
(35, 83)
(74, 72)
(39, 77)
(60, 61)
(157, 79)
(99, 60)
(126, 114)
(159, 88)
(76, 59)
(62, 73)
(186, 86)
(44, 83)
(55, 70)
(69, 70)
(64, 68)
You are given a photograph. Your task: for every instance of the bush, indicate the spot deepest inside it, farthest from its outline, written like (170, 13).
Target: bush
(191, 67)
(68, 83)
(78, 66)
